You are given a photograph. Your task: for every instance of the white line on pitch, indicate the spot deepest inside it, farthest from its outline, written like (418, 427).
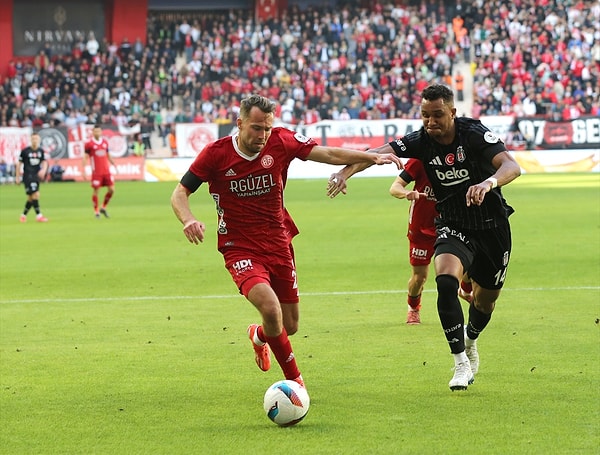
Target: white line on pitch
(302, 294)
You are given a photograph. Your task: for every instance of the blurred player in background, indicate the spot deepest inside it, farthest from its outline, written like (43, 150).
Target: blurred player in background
(32, 170)
(96, 151)
(247, 174)
(421, 230)
(466, 164)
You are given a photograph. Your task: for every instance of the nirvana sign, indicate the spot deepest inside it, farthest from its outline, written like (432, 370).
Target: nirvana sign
(59, 24)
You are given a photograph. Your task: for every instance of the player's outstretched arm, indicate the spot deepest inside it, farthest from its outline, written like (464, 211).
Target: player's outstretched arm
(337, 155)
(192, 228)
(338, 181)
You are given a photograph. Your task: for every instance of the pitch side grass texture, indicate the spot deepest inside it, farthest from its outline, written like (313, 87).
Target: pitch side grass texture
(117, 336)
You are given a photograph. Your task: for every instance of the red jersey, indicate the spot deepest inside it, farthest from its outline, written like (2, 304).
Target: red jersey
(248, 191)
(422, 211)
(98, 152)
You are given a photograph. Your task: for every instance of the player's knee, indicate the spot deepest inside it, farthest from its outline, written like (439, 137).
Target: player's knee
(447, 286)
(271, 316)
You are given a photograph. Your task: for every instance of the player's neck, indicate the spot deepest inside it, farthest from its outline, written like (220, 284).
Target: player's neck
(237, 144)
(446, 140)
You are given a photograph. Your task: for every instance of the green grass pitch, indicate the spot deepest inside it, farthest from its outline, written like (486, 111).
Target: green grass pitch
(117, 336)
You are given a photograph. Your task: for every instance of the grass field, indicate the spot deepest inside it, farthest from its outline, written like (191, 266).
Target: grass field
(119, 337)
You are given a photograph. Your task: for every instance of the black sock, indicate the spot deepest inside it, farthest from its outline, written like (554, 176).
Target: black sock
(36, 206)
(477, 322)
(28, 205)
(450, 312)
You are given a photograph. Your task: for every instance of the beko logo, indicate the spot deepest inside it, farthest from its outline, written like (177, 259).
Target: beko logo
(452, 177)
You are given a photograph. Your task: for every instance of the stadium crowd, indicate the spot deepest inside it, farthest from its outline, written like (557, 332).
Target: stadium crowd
(527, 57)
(537, 58)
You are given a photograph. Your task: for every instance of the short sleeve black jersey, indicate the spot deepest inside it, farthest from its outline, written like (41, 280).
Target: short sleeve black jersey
(32, 161)
(453, 168)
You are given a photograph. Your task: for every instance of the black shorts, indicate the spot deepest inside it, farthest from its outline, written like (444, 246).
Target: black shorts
(32, 184)
(484, 254)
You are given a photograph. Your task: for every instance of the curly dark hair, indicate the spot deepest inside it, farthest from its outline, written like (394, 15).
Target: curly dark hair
(437, 91)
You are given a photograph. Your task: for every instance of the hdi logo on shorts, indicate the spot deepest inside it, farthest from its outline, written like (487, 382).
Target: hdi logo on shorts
(243, 265)
(419, 252)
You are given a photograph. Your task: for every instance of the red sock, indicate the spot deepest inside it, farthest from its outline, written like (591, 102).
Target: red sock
(106, 199)
(95, 202)
(282, 349)
(414, 302)
(466, 286)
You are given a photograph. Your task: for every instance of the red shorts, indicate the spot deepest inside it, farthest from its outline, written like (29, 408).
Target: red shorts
(277, 270)
(102, 180)
(421, 251)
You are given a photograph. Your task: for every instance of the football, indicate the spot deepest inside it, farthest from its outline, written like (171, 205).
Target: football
(286, 403)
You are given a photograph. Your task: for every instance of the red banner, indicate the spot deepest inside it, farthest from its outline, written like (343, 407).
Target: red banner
(266, 9)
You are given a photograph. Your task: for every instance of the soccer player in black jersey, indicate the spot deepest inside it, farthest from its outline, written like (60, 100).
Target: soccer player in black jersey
(466, 164)
(32, 170)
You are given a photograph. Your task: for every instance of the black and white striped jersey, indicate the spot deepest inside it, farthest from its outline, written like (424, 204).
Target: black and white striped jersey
(453, 168)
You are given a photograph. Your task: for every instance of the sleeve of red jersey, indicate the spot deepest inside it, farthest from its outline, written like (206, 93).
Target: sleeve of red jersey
(411, 167)
(203, 162)
(296, 144)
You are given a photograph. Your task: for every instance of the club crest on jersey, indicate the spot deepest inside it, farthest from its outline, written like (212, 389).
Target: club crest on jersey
(490, 137)
(449, 159)
(301, 138)
(267, 161)
(460, 154)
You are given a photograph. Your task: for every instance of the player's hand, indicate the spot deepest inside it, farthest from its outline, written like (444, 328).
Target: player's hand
(476, 193)
(387, 158)
(336, 185)
(194, 231)
(415, 195)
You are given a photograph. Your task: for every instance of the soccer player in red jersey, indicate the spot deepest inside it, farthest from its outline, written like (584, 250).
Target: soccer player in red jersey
(421, 230)
(421, 233)
(96, 150)
(246, 174)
